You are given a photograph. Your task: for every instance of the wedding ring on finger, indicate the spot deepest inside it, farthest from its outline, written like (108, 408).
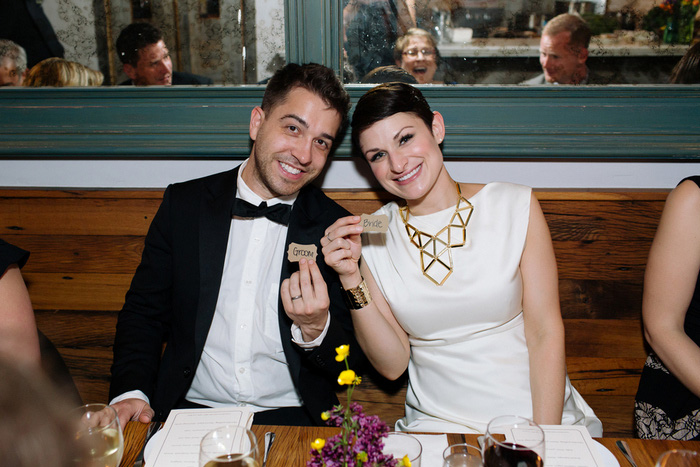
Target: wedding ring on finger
(297, 297)
(328, 236)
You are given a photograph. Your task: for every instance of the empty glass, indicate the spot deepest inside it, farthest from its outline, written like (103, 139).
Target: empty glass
(229, 446)
(679, 458)
(402, 444)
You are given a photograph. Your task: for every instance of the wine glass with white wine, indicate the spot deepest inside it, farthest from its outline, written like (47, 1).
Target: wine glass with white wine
(99, 432)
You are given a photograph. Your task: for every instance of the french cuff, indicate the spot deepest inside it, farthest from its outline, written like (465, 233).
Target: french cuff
(298, 338)
(136, 394)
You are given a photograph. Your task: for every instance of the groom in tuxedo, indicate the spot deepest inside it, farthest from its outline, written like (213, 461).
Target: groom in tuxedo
(204, 324)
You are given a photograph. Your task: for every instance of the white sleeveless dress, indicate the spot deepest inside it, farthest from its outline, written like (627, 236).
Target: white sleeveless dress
(469, 360)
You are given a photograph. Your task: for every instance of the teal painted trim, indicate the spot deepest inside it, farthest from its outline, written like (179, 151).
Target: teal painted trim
(314, 32)
(483, 122)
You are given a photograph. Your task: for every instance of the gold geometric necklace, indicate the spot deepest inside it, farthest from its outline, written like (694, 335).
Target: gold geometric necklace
(435, 250)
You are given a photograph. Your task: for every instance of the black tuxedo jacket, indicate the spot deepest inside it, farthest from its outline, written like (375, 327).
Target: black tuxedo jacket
(181, 78)
(175, 288)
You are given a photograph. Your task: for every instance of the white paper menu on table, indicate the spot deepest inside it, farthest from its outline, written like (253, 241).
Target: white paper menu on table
(565, 446)
(178, 440)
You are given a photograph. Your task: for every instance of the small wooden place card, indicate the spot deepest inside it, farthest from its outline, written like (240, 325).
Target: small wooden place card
(374, 222)
(295, 252)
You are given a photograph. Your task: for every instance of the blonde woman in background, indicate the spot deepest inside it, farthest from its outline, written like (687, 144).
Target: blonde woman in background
(417, 52)
(59, 72)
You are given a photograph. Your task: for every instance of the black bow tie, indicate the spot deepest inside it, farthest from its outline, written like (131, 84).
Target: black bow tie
(277, 213)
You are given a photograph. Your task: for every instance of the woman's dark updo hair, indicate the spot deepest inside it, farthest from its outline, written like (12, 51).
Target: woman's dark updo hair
(386, 100)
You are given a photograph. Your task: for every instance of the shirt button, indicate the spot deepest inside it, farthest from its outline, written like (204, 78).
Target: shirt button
(248, 282)
(244, 326)
(241, 370)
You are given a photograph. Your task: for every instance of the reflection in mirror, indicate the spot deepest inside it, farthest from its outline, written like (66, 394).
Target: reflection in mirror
(228, 41)
(500, 42)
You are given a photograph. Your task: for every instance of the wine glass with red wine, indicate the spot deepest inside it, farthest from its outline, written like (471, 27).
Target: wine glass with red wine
(513, 441)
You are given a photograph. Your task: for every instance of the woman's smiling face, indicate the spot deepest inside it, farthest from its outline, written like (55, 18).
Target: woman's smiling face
(404, 154)
(419, 58)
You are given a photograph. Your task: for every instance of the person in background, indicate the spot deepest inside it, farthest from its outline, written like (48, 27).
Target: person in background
(13, 63)
(417, 52)
(146, 60)
(25, 23)
(667, 404)
(461, 290)
(36, 427)
(687, 70)
(564, 51)
(215, 271)
(388, 74)
(59, 72)
(371, 28)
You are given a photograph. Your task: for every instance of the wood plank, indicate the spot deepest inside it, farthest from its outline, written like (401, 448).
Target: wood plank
(604, 220)
(604, 299)
(613, 260)
(55, 291)
(77, 216)
(72, 254)
(620, 338)
(612, 376)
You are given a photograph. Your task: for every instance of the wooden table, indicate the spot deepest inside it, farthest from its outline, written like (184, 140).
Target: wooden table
(292, 444)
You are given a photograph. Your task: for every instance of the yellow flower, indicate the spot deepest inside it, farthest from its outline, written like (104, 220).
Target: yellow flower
(318, 444)
(346, 377)
(405, 462)
(325, 416)
(362, 456)
(343, 352)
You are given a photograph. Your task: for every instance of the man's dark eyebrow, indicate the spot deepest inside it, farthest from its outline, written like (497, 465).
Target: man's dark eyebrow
(306, 125)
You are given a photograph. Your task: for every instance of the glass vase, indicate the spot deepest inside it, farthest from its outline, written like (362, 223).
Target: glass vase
(686, 24)
(671, 31)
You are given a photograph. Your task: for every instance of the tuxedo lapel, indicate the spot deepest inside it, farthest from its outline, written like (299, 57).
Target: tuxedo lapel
(304, 228)
(214, 225)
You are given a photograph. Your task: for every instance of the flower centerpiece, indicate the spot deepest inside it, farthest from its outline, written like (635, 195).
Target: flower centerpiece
(359, 442)
(676, 18)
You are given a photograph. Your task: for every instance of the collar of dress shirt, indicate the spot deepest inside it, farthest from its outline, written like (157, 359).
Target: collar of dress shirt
(244, 192)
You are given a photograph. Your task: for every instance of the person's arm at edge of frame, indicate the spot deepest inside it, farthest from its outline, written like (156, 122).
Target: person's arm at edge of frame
(544, 327)
(669, 283)
(18, 333)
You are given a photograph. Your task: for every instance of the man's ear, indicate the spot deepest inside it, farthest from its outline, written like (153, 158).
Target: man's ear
(583, 55)
(257, 117)
(130, 71)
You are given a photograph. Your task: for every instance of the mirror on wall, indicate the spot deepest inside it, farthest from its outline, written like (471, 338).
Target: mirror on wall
(470, 41)
(499, 41)
(228, 41)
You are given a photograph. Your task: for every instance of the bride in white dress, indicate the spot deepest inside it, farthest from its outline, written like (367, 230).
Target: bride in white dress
(462, 290)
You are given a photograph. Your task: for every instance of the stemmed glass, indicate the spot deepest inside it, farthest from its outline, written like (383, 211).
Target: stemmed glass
(679, 458)
(99, 432)
(229, 446)
(526, 448)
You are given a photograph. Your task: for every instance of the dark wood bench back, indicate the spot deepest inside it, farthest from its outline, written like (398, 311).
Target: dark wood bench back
(85, 246)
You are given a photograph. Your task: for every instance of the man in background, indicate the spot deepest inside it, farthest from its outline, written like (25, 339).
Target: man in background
(146, 59)
(13, 63)
(564, 51)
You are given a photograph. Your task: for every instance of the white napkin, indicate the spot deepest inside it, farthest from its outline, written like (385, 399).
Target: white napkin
(433, 447)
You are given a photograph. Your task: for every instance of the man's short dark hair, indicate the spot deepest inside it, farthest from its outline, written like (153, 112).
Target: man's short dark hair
(135, 37)
(313, 77)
